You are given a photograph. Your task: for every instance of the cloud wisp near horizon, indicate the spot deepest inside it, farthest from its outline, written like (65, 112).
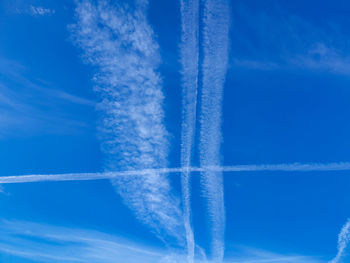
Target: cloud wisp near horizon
(72, 244)
(81, 245)
(119, 42)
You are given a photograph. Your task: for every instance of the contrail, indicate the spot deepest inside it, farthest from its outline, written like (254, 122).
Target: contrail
(189, 59)
(216, 20)
(120, 44)
(293, 167)
(343, 241)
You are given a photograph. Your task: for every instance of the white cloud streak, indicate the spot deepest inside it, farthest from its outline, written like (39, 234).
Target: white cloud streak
(216, 20)
(120, 43)
(343, 241)
(293, 167)
(320, 48)
(320, 57)
(40, 11)
(51, 244)
(36, 104)
(56, 244)
(189, 53)
(253, 255)
(15, 72)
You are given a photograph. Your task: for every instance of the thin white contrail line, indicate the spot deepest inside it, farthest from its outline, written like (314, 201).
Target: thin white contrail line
(216, 20)
(343, 240)
(293, 167)
(189, 59)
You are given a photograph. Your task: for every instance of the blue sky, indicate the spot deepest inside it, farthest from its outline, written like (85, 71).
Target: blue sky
(247, 100)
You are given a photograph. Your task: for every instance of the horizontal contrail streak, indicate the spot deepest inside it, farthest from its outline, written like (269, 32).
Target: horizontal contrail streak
(297, 167)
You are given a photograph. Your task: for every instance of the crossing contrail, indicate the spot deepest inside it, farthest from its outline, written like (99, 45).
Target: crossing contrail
(293, 167)
(216, 20)
(189, 54)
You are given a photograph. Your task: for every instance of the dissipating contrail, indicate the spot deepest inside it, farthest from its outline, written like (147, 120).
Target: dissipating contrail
(189, 51)
(215, 45)
(343, 241)
(292, 167)
(121, 46)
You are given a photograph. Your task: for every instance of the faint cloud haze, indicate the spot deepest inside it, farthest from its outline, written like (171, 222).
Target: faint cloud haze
(343, 241)
(35, 104)
(40, 11)
(32, 10)
(291, 43)
(63, 244)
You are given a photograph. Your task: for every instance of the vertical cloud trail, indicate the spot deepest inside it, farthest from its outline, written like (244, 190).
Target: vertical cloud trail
(189, 59)
(216, 20)
(120, 43)
(343, 241)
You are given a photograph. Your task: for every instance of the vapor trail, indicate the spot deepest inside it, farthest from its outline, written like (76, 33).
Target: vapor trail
(119, 42)
(343, 241)
(294, 167)
(216, 20)
(189, 60)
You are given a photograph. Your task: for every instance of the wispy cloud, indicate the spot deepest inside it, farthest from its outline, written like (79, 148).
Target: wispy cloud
(216, 20)
(291, 43)
(319, 58)
(53, 244)
(35, 104)
(189, 54)
(62, 244)
(14, 72)
(322, 57)
(40, 11)
(343, 241)
(33, 10)
(120, 43)
(253, 255)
